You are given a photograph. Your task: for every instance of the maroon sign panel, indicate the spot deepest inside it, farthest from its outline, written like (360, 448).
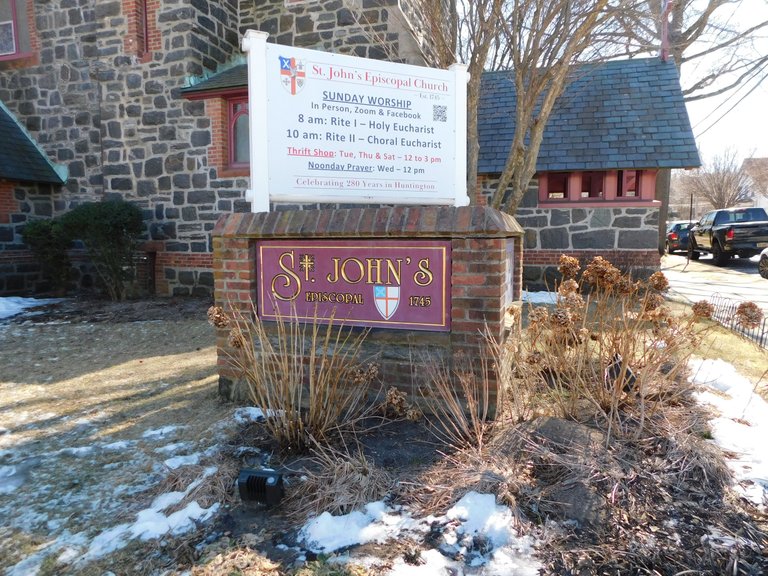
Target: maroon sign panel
(383, 283)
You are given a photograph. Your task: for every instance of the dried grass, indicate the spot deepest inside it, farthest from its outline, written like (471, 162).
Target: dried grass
(240, 561)
(307, 376)
(218, 487)
(467, 401)
(496, 469)
(326, 568)
(336, 482)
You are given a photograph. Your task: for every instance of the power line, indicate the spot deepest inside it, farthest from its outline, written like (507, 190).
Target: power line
(755, 87)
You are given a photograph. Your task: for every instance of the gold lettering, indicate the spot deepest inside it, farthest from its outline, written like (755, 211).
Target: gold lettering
(286, 279)
(334, 297)
(360, 270)
(391, 271)
(333, 277)
(424, 276)
(374, 265)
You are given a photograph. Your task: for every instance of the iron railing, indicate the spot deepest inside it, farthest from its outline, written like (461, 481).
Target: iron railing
(725, 314)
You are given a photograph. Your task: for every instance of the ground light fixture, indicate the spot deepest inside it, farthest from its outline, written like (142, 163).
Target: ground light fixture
(263, 486)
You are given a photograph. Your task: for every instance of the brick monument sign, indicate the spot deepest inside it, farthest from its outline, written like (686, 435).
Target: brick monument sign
(480, 247)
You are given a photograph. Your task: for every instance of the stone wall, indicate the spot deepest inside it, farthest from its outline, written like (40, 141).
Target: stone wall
(485, 277)
(624, 233)
(377, 29)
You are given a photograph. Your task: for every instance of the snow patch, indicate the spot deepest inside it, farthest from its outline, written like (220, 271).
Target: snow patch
(539, 297)
(152, 523)
(248, 415)
(179, 461)
(157, 433)
(10, 479)
(741, 427)
(13, 305)
(474, 514)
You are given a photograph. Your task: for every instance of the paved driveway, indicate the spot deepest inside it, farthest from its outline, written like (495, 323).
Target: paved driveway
(701, 280)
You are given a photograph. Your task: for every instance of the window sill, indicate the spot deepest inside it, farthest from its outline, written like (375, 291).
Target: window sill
(19, 59)
(234, 172)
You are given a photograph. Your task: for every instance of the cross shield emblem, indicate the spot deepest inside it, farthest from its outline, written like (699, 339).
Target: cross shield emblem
(292, 74)
(386, 298)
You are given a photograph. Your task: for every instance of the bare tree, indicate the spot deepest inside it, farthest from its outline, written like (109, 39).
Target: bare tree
(757, 170)
(540, 43)
(717, 50)
(722, 182)
(537, 43)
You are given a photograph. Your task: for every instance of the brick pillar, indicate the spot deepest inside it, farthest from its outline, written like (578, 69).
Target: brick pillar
(486, 271)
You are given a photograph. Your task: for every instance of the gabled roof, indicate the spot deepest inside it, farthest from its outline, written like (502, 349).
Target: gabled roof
(612, 115)
(21, 158)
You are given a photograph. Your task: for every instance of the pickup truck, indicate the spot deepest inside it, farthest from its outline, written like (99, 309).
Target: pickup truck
(741, 232)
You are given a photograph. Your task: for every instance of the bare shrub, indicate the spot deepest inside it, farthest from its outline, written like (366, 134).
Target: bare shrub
(616, 346)
(749, 315)
(464, 400)
(307, 376)
(397, 406)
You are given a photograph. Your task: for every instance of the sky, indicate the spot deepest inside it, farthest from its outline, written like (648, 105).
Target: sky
(739, 119)
(739, 426)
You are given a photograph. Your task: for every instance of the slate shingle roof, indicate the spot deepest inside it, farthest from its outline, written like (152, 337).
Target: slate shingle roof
(235, 77)
(621, 114)
(21, 158)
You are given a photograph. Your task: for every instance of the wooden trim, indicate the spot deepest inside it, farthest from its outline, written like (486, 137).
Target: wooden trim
(18, 59)
(631, 202)
(232, 118)
(225, 93)
(645, 189)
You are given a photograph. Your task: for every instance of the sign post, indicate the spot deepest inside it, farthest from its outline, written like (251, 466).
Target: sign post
(347, 129)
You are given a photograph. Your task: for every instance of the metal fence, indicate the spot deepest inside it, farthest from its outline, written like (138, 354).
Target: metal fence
(725, 313)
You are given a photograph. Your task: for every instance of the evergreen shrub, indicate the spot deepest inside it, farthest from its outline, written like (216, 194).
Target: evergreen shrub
(110, 232)
(49, 242)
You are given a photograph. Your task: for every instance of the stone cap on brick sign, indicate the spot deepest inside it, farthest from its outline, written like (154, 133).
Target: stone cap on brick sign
(398, 221)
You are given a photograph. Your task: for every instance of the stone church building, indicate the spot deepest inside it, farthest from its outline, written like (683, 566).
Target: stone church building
(145, 100)
(96, 84)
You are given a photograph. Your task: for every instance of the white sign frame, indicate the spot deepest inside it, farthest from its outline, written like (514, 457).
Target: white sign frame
(280, 102)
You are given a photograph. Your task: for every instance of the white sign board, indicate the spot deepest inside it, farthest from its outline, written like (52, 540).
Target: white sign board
(334, 128)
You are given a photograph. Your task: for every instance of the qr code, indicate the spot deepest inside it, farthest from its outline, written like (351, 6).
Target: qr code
(439, 113)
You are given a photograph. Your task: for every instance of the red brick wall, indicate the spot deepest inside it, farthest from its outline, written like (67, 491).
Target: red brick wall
(624, 259)
(8, 203)
(34, 44)
(178, 262)
(216, 110)
(131, 43)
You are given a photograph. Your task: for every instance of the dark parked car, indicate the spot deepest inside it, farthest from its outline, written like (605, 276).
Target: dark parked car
(677, 236)
(728, 232)
(762, 264)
